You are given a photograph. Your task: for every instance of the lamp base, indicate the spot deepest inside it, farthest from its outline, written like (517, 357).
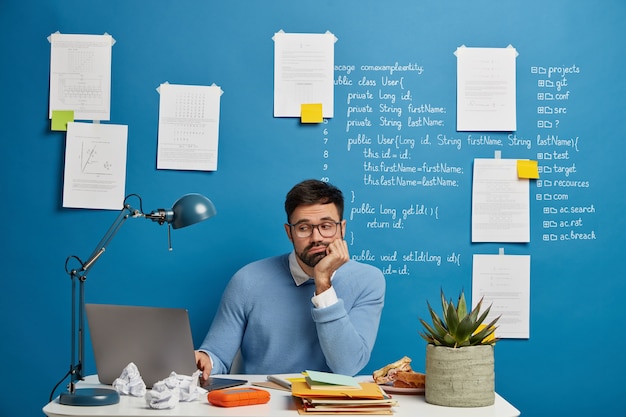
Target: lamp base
(90, 397)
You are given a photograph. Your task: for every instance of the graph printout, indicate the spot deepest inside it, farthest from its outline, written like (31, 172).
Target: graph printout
(188, 127)
(95, 166)
(80, 75)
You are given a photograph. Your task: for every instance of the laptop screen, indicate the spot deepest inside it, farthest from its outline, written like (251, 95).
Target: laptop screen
(158, 340)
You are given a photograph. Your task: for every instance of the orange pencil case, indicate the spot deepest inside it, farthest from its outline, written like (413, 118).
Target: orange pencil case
(234, 397)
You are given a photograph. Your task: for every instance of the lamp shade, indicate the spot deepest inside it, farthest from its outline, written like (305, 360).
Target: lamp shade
(191, 209)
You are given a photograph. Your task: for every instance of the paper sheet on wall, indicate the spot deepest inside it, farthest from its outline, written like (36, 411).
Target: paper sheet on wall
(95, 166)
(303, 72)
(80, 75)
(500, 202)
(486, 89)
(189, 118)
(504, 282)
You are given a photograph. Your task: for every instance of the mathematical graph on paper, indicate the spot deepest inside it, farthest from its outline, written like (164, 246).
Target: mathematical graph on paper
(93, 159)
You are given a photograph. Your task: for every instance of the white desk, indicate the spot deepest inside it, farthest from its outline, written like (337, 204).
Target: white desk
(281, 404)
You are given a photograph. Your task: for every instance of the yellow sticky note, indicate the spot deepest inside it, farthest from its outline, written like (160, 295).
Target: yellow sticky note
(60, 119)
(527, 169)
(311, 113)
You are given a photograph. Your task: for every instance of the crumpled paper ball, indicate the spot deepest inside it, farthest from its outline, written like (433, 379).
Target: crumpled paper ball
(173, 389)
(130, 382)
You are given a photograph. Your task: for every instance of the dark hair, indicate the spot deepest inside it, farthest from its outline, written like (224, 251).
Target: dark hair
(310, 192)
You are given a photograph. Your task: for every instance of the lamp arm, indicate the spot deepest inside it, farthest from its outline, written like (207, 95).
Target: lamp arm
(126, 212)
(78, 306)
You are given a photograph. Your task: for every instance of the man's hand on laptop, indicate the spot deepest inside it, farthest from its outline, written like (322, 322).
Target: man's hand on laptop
(203, 362)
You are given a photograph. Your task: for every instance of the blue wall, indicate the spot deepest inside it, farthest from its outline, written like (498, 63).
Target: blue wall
(567, 367)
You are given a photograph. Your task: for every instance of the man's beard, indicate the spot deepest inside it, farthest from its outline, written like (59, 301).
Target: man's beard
(313, 258)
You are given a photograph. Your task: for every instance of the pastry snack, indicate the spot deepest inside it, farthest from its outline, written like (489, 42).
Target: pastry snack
(410, 379)
(400, 374)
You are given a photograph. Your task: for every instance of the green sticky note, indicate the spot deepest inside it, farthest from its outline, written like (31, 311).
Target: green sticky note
(527, 169)
(311, 113)
(60, 119)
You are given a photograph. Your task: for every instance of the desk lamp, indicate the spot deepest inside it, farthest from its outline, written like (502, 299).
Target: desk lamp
(187, 210)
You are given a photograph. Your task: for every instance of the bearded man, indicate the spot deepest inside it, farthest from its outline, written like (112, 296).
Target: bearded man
(313, 308)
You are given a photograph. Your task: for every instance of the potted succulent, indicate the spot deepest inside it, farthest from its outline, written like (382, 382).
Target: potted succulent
(459, 355)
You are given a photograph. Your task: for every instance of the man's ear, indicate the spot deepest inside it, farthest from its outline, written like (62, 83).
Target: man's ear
(288, 231)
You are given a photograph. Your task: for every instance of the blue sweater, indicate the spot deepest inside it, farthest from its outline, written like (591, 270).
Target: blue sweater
(277, 328)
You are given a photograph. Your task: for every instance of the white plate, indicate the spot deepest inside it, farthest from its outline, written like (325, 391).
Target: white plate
(398, 390)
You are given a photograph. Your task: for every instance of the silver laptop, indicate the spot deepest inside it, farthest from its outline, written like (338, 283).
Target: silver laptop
(158, 340)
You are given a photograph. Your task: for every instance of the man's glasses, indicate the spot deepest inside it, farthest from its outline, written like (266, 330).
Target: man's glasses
(325, 229)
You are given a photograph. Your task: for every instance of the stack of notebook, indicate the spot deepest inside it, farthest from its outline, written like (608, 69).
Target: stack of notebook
(326, 393)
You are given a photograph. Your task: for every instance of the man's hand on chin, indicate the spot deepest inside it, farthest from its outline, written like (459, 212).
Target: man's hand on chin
(336, 255)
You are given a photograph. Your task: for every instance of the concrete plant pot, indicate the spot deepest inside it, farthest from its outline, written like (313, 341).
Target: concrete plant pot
(460, 377)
